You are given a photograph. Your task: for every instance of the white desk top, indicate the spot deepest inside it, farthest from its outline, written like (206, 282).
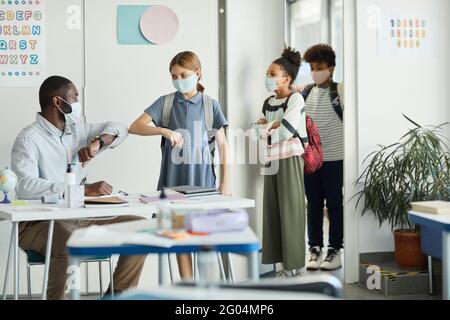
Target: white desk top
(36, 211)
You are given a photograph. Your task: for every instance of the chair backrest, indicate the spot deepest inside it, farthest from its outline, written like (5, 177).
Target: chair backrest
(320, 284)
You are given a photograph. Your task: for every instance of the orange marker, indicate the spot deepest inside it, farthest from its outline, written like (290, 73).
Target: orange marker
(198, 233)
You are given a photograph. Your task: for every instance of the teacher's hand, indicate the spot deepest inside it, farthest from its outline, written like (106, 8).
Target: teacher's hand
(98, 189)
(89, 152)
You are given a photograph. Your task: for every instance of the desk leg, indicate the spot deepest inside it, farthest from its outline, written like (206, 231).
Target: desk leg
(5, 283)
(48, 253)
(162, 269)
(16, 260)
(446, 265)
(253, 266)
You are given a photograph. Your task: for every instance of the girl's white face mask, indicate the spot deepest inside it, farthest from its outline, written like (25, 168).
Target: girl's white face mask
(186, 85)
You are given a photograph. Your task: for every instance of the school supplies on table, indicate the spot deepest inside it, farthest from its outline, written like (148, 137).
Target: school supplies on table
(218, 220)
(435, 207)
(174, 235)
(171, 196)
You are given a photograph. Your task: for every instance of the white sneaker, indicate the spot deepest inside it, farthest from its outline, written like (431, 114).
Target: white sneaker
(298, 273)
(315, 258)
(332, 260)
(283, 274)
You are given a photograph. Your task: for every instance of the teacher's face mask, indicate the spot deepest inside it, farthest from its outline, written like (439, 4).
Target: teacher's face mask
(75, 114)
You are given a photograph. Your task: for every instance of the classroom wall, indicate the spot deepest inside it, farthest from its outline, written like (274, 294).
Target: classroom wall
(388, 86)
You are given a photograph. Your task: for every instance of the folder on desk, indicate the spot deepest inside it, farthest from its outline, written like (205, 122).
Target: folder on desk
(105, 201)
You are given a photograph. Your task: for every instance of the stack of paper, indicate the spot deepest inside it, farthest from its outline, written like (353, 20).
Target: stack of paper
(435, 207)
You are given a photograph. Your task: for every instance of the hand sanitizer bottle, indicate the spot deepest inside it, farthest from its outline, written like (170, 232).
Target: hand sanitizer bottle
(164, 212)
(69, 181)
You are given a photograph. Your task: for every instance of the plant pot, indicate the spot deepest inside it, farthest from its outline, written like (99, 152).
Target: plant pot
(408, 254)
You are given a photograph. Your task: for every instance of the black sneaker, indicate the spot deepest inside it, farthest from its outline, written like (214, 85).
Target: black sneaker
(315, 259)
(332, 260)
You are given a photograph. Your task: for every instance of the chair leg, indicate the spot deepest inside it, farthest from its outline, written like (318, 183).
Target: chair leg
(170, 268)
(221, 269)
(100, 278)
(87, 277)
(28, 281)
(111, 276)
(194, 266)
(430, 275)
(230, 268)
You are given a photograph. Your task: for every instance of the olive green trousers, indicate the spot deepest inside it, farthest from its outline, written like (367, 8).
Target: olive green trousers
(284, 215)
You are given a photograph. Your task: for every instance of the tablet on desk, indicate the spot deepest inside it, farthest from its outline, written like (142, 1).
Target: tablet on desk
(194, 191)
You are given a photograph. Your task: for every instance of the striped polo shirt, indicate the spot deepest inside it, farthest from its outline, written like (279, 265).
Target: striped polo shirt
(331, 129)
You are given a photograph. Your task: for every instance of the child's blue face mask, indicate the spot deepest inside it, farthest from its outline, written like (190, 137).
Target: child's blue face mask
(271, 84)
(186, 85)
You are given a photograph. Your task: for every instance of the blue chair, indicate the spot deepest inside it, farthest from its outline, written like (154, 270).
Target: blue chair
(34, 258)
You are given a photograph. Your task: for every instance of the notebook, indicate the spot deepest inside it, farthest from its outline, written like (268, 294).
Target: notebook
(435, 207)
(192, 191)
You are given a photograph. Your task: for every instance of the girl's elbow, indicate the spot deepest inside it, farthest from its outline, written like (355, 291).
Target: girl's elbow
(133, 129)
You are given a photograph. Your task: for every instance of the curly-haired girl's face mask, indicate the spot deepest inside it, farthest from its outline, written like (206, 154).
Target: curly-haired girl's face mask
(274, 78)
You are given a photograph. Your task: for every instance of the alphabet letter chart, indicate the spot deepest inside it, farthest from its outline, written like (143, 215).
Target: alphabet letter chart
(403, 35)
(22, 43)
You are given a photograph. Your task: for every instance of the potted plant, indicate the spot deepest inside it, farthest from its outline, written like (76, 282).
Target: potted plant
(417, 168)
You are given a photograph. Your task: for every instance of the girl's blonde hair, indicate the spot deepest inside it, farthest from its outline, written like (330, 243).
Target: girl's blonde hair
(188, 60)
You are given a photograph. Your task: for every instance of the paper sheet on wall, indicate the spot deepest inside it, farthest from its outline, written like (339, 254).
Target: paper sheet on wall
(403, 35)
(22, 43)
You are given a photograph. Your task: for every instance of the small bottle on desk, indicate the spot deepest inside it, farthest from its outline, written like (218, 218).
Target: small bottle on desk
(164, 216)
(69, 181)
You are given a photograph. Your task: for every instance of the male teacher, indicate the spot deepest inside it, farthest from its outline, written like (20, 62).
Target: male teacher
(40, 156)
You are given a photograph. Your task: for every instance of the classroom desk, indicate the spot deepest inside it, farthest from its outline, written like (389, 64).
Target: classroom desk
(36, 211)
(442, 223)
(137, 237)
